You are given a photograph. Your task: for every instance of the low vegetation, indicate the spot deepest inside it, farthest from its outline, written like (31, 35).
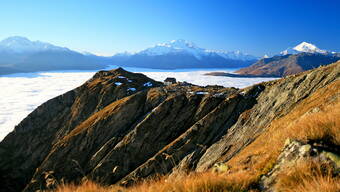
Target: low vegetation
(199, 182)
(315, 119)
(308, 176)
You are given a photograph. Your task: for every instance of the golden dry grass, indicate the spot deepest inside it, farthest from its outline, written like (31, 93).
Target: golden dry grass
(85, 187)
(308, 176)
(316, 118)
(203, 182)
(301, 123)
(199, 182)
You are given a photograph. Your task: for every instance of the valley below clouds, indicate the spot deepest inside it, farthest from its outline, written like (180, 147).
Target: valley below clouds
(22, 93)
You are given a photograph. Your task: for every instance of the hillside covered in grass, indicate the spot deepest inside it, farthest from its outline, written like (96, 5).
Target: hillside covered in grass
(314, 122)
(122, 131)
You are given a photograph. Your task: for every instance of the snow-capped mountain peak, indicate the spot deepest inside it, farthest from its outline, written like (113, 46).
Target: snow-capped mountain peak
(22, 44)
(265, 56)
(181, 46)
(303, 47)
(308, 47)
(173, 47)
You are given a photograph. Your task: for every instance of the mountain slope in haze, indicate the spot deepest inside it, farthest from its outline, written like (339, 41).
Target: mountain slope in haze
(178, 54)
(19, 54)
(121, 127)
(19, 44)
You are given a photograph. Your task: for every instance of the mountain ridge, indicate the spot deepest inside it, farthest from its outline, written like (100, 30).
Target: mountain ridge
(99, 125)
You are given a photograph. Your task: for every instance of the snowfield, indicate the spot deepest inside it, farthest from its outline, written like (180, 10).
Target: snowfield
(22, 93)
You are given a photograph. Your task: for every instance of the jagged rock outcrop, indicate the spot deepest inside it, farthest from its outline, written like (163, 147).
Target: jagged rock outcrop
(120, 127)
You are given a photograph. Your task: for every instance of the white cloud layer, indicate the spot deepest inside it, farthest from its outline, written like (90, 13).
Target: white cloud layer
(21, 93)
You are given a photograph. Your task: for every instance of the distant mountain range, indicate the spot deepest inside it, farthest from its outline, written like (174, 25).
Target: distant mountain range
(183, 54)
(19, 54)
(302, 57)
(186, 47)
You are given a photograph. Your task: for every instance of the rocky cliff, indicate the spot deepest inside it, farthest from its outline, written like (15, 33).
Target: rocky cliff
(121, 127)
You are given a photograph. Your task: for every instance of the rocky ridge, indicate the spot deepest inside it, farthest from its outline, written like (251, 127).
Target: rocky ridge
(117, 129)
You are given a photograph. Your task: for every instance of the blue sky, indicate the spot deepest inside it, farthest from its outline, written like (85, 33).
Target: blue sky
(109, 26)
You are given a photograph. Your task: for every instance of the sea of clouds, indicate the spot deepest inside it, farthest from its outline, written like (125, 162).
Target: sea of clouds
(21, 93)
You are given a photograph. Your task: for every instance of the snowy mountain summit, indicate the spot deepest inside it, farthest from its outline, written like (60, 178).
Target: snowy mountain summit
(186, 47)
(303, 47)
(308, 48)
(22, 44)
(173, 47)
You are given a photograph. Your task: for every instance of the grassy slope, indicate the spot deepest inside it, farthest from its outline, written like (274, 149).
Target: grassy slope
(315, 118)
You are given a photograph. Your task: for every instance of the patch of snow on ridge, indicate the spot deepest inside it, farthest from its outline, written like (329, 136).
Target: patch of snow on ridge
(201, 93)
(131, 89)
(147, 84)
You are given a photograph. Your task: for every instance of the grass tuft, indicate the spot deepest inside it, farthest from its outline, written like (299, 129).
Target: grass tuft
(308, 176)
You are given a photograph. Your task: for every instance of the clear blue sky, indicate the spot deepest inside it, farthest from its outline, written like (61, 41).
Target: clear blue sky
(108, 26)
